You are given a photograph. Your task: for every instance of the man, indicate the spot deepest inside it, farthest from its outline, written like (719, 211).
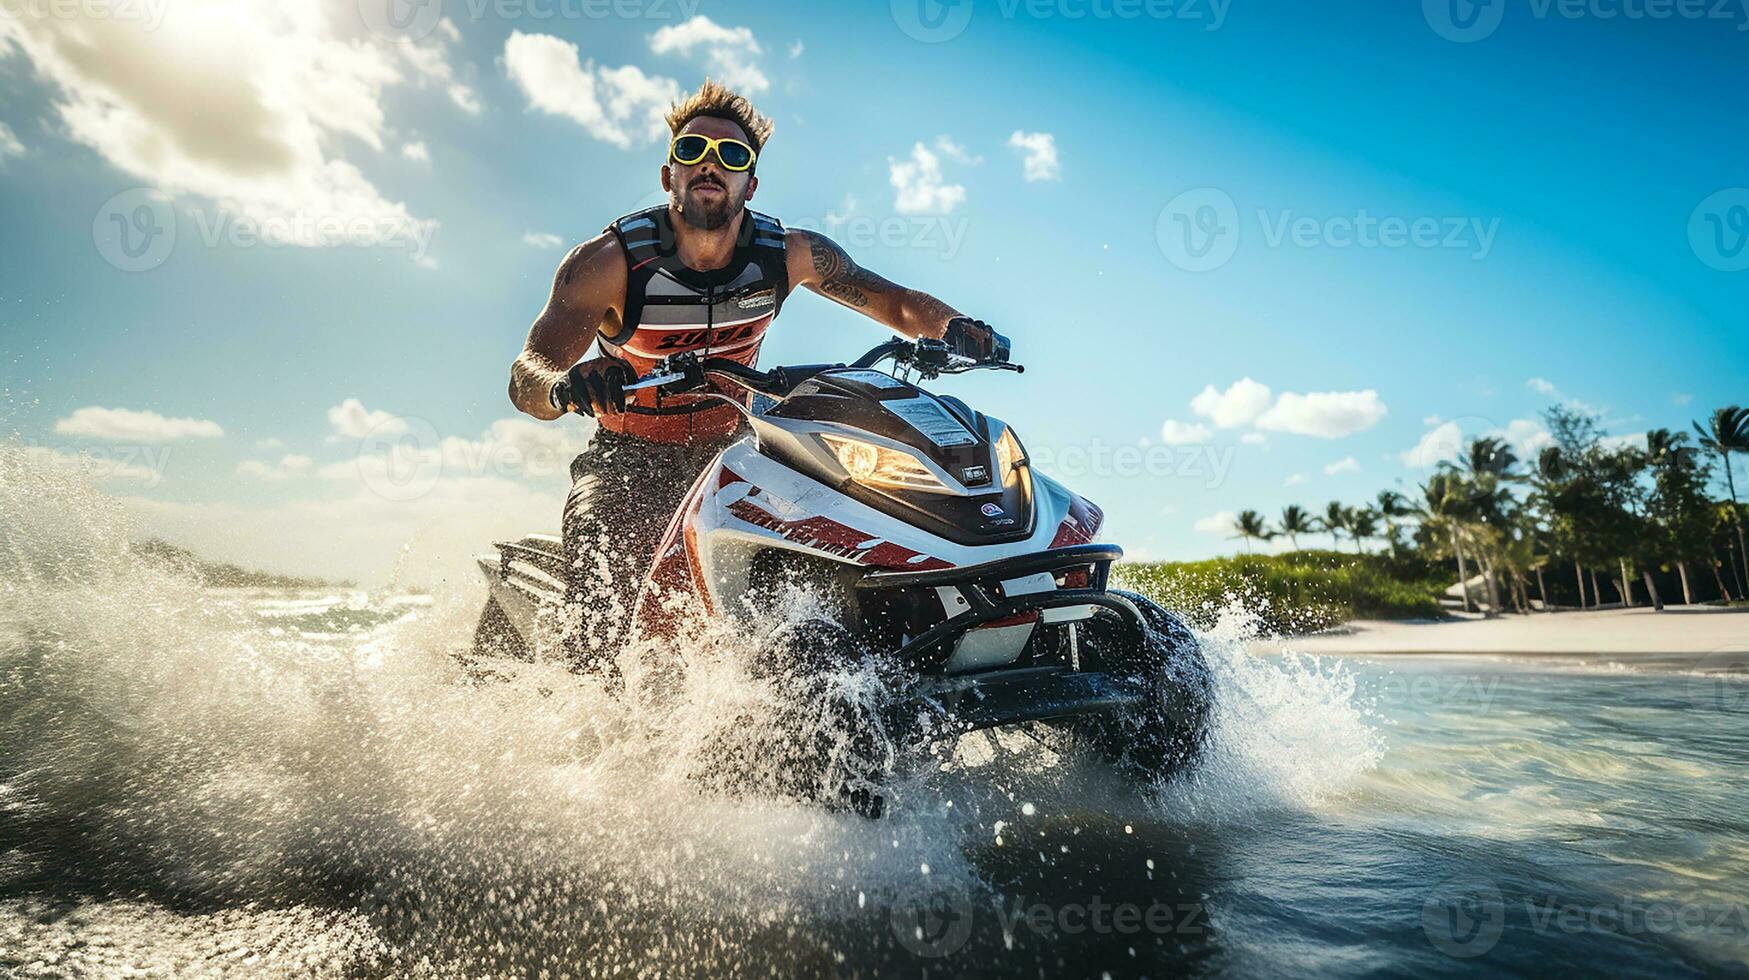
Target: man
(702, 273)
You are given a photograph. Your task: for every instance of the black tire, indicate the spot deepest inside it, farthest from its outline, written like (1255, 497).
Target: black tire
(495, 636)
(1166, 736)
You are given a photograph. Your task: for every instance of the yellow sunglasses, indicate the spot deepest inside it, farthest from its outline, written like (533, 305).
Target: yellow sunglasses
(692, 148)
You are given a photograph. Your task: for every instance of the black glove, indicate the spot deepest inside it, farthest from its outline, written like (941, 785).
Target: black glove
(976, 340)
(598, 382)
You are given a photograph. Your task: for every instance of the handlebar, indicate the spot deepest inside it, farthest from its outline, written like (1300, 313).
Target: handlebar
(682, 373)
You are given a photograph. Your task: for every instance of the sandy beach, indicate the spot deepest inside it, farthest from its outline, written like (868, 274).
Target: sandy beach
(1679, 631)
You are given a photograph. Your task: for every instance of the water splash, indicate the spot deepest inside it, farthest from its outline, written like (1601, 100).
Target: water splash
(168, 746)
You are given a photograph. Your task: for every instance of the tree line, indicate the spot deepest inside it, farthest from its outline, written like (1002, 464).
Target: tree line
(1584, 504)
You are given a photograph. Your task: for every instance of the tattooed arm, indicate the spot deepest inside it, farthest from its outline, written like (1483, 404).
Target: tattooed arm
(587, 291)
(817, 262)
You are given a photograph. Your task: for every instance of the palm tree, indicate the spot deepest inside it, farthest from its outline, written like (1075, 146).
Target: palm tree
(1295, 522)
(1363, 525)
(1728, 432)
(1442, 509)
(1250, 524)
(1334, 522)
(1392, 506)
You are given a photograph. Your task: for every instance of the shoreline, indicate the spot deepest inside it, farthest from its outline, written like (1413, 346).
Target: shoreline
(1702, 633)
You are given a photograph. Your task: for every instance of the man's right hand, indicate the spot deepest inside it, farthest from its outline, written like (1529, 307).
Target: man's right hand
(594, 387)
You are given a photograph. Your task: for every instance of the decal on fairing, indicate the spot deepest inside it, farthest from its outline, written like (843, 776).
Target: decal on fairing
(822, 533)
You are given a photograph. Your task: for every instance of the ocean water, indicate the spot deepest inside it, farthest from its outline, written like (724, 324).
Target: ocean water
(199, 781)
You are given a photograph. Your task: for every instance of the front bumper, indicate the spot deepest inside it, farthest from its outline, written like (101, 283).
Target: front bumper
(967, 703)
(1009, 587)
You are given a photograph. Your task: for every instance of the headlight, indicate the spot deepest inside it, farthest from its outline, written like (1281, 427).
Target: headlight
(1009, 456)
(878, 466)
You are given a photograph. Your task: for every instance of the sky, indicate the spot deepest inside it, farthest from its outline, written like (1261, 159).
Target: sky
(265, 266)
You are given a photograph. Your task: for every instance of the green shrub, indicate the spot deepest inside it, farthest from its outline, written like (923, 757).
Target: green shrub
(1294, 592)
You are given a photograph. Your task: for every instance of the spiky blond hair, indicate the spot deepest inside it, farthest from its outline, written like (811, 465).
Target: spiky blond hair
(717, 100)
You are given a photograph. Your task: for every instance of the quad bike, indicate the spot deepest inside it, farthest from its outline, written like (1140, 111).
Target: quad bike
(972, 580)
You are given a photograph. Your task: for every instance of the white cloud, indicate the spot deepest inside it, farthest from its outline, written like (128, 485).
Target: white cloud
(1040, 162)
(541, 239)
(614, 105)
(1242, 402)
(1298, 479)
(945, 145)
(416, 152)
(920, 185)
(1542, 386)
(1438, 445)
(1681, 398)
(731, 53)
(287, 84)
(1527, 437)
(1347, 464)
(1254, 439)
(288, 466)
(1324, 414)
(1220, 523)
(126, 425)
(271, 442)
(796, 49)
(1176, 433)
(1432, 420)
(351, 420)
(9, 144)
(430, 60)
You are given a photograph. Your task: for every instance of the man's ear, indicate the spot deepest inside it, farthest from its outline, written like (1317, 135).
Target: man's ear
(752, 185)
(667, 179)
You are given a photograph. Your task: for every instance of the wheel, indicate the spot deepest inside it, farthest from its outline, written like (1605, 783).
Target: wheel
(1165, 736)
(829, 740)
(495, 636)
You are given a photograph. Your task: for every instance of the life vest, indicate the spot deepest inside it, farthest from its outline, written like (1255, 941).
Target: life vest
(670, 308)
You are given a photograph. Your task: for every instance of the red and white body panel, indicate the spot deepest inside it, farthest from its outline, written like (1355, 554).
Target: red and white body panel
(746, 502)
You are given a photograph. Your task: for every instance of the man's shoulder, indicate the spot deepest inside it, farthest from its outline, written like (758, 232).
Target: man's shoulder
(600, 258)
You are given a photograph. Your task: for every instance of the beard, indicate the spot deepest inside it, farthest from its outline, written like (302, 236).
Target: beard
(708, 214)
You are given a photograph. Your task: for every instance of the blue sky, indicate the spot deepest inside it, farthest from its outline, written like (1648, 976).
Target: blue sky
(1549, 192)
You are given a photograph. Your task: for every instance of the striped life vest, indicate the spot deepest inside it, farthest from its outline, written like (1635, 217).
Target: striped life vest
(670, 308)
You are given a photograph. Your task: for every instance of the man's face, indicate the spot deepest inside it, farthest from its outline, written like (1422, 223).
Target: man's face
(708, 196)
